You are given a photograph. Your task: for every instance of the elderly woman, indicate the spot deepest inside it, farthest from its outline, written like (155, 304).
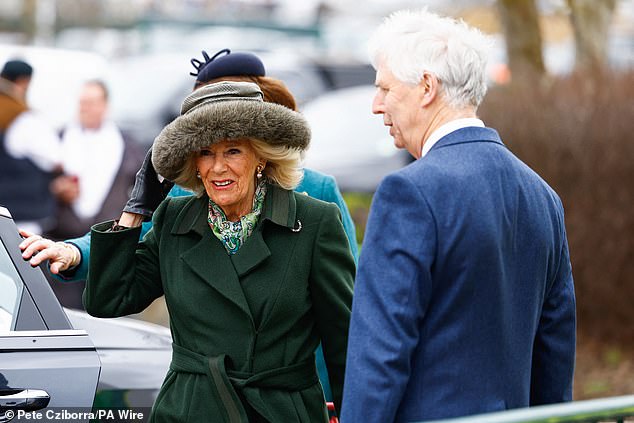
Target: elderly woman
(69, 260)
(254, 275)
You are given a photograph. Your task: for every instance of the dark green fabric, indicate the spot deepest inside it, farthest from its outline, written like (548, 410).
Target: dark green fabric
(308, 275)
(225, 383)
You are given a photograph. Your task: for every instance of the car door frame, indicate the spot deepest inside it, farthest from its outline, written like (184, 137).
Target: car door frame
(42, 351)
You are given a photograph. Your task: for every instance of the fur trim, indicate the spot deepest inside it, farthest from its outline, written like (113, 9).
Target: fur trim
(210, 123)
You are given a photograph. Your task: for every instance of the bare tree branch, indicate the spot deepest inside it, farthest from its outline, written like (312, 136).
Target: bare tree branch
(591, 21)
(523, 38)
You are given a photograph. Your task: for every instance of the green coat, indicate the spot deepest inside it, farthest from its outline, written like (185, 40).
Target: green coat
(245, 327)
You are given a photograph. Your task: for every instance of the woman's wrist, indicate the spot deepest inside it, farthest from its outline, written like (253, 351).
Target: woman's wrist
(130, 220)
(73, 252)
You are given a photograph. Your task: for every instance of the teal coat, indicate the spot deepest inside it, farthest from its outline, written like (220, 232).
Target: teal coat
(245, 327)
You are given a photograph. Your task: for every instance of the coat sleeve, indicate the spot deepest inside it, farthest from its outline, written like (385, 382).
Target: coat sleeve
(80, 272)
(392, 292)
(124, 275)
(331, 284)
(554, 346)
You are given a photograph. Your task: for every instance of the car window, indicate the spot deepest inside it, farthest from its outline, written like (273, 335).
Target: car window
(11, 287)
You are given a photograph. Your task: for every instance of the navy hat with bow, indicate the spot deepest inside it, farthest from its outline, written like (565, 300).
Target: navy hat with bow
(225, 63)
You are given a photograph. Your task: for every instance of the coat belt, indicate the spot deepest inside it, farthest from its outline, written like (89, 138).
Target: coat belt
(225, 383)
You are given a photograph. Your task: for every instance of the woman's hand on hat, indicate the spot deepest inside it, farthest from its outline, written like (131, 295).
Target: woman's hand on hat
(148, 191)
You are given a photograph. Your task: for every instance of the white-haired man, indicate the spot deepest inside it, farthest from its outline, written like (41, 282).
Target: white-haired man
(464, 298)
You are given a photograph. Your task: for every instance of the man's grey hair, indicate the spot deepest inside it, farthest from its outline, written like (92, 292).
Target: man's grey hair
(412, 42)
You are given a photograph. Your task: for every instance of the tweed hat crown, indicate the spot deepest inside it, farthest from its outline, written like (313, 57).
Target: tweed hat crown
(221, 111)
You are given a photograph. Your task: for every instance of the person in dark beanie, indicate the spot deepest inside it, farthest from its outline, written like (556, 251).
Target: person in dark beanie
(19, 73)
(29, 152)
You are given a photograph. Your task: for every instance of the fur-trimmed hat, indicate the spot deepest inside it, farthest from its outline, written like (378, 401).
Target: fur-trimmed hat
(221, 111)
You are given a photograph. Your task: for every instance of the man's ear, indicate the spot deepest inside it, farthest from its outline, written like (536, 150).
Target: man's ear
(429, 86)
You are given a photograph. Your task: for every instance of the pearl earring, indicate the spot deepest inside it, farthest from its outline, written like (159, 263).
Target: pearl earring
(259, 169)
(198, 174)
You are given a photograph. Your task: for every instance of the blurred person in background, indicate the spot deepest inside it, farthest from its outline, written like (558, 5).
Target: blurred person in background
(29, 153)
(70, 260)
(464, 299)
(100, 164)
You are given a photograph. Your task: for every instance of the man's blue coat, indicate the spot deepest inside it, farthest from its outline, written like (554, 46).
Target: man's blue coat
(464, 299)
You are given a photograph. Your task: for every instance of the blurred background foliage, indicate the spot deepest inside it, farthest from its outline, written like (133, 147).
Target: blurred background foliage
(561, 96)
(576, 133)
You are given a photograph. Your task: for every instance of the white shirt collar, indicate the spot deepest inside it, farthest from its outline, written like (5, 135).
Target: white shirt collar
(447, 129)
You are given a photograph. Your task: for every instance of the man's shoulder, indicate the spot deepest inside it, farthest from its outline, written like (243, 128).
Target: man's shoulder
(128, 138)
(421, 171)
(10, 109)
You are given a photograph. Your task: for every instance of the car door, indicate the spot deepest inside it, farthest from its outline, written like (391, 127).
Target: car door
(45, 364)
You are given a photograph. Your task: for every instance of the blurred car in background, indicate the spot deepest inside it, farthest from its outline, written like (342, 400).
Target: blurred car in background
(134, 355)
(349, 142)
(59, 358)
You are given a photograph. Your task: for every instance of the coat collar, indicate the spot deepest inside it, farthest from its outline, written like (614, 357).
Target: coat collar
(280, 208)
(468, 134)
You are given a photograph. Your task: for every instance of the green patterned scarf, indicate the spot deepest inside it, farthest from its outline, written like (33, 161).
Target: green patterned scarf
(234, 234)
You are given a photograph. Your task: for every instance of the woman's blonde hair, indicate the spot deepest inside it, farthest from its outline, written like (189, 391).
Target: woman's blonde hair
(283, 164)
(283, 167)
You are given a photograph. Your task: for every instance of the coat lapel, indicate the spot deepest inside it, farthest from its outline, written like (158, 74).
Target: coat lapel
(208, 258)
(251, 254)
(279, 208)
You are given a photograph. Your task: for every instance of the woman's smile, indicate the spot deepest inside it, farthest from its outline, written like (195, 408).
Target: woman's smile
(223, 184)
(227, 170)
